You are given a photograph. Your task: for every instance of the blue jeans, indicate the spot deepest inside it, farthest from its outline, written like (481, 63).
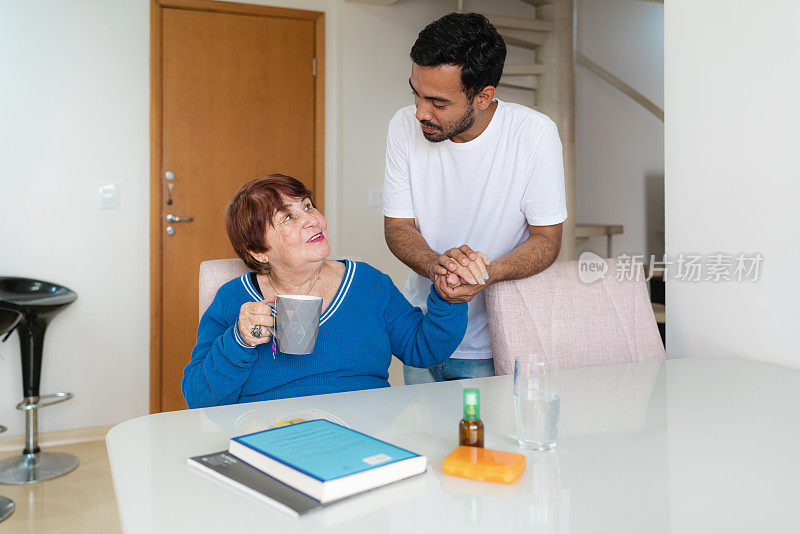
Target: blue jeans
(451, 369)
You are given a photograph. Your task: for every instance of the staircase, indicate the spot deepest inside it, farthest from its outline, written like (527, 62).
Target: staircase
(525, 32)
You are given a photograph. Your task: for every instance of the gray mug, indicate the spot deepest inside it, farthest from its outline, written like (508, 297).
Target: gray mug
(296, 322)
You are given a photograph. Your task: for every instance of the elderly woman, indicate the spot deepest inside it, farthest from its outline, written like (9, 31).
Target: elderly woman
(279, 234)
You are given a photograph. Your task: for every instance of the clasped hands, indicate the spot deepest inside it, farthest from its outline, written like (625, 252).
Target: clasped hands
(460, 273)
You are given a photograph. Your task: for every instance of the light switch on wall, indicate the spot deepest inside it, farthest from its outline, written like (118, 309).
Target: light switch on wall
(375, 196)
(107, 197)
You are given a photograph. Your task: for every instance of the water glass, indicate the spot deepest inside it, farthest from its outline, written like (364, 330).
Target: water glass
(536, 400)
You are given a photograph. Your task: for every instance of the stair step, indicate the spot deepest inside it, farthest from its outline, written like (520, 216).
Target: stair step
(379, 2)
(529, 84)
(524, 38)
(519, 23)
(523, 69)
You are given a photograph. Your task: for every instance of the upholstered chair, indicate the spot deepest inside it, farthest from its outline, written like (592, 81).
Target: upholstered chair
(607, 321)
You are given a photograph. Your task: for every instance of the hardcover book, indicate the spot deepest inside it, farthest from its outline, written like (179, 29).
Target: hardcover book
(247, 479)
(324, 460)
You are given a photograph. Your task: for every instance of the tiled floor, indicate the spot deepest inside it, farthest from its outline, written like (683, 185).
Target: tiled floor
(81, 502)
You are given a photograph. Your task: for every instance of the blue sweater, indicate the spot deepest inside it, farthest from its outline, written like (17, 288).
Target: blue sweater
(367, 321)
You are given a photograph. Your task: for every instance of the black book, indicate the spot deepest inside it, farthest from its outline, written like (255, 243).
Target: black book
(247, 479)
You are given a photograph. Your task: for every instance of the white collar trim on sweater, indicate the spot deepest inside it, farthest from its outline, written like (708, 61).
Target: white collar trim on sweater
(349, 274)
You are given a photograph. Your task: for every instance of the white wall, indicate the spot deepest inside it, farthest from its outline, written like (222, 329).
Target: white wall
(732, 177)
(75, 116)
(375, 46)
(619, 145)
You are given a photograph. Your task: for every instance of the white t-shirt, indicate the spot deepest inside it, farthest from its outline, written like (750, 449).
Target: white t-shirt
(483, 193)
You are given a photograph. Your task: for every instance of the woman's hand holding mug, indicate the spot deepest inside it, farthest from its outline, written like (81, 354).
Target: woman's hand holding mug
(254, 318)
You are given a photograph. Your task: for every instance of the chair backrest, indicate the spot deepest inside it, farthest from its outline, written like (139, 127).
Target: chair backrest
(604, 322)
(215, 273)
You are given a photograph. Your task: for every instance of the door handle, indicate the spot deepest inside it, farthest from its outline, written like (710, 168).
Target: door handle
(173, 219)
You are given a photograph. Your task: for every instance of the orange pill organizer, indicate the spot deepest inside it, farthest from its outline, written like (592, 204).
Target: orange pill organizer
(484, 464)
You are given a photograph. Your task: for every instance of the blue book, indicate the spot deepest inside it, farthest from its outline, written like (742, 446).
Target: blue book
(324, 460)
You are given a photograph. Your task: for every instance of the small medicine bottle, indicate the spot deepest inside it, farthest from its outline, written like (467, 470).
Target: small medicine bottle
(470, 429)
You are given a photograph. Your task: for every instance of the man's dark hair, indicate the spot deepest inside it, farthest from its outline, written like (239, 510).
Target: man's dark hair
(467, 40)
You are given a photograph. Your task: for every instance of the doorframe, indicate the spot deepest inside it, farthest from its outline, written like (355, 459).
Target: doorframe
(156, 154)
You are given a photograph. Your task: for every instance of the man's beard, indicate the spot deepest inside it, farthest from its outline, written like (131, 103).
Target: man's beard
(460, 126)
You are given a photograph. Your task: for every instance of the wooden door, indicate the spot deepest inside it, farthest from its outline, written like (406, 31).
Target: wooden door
(239, 96)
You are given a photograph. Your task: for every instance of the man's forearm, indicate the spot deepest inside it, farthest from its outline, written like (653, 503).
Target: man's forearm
(532, 256)
(408, 245)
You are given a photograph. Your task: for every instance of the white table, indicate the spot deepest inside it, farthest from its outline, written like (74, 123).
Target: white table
(691, 445)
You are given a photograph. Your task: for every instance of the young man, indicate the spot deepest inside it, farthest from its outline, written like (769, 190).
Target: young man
(474, 186)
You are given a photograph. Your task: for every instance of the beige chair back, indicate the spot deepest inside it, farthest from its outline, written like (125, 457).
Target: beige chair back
(608, 321)
(215, 273)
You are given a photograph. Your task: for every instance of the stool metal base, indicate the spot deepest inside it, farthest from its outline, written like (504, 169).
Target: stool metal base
(36, 467)
(6, 507)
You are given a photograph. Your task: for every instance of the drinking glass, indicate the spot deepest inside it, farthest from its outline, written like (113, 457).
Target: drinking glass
(536, 400)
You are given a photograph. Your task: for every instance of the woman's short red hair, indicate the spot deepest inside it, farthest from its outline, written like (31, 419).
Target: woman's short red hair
(252, 209)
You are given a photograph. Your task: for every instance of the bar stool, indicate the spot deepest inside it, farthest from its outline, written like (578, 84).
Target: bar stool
(8, 320)
(38, 302)
(6, 504)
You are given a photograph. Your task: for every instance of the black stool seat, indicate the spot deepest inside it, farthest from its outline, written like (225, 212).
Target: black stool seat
(37, 302)
(35, 295)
